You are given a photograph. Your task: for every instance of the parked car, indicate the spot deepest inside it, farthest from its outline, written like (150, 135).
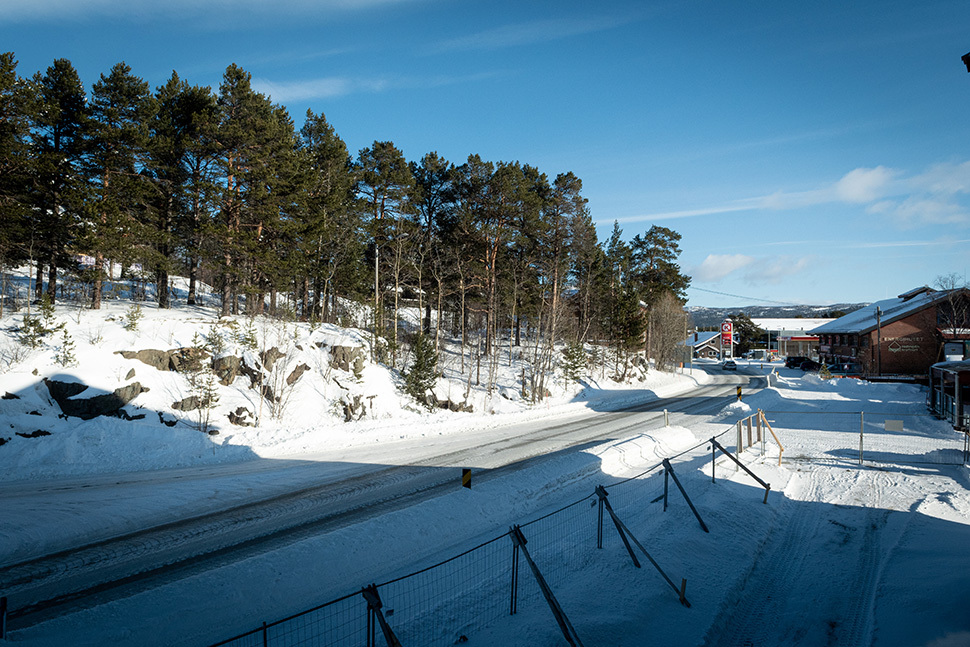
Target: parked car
(794, 361)
(810, 365)
(846, 369)
(729, 365)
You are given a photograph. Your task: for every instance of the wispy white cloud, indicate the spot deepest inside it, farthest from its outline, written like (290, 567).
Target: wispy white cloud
(717, 266)
(773, 270)
(754, 270)
(337, 86)
(325, 88)
(933, 197)
(527, 33)
(865, 184)
(27, 10)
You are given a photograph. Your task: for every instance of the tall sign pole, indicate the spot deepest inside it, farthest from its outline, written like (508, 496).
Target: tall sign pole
(727, 338)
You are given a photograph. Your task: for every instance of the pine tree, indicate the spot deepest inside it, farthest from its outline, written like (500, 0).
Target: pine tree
(15, 163)
(384, 182)
(330, 238)
(256, 170)
(116, 139)
(574, 361)
(421, 377)
(179, 154)
(59, 182)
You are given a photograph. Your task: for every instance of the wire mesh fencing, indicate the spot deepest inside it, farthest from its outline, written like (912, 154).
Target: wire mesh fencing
(868, 436)
(446, 602)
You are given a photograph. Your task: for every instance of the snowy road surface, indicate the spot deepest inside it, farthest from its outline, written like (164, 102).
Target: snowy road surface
(117, 536)
(842, 554)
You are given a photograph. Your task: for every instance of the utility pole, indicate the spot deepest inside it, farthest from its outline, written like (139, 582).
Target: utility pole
(878, 341)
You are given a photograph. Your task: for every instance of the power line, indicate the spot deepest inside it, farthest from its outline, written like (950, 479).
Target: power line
(738, 296)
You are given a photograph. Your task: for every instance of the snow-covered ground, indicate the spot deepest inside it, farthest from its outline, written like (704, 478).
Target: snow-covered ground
(842, 553)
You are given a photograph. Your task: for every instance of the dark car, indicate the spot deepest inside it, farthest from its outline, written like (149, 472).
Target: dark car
(729, 365)
(794, 361)
(810, 365)
(846, 369)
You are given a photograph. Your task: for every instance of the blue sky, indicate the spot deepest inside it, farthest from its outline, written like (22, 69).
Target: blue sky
(812, 153)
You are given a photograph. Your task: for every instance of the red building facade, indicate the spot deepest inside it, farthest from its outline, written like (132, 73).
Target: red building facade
(902, 336)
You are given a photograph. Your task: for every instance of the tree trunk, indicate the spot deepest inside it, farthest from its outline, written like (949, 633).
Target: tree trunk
(193, 274)
(98, 281)
(39, 282)
(52, 280)
(161, 286)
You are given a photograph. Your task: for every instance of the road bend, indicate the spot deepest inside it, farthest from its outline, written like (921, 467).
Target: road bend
(338, 494)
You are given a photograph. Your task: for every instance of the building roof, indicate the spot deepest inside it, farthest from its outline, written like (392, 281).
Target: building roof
(702, 338)
(958, 366)
(792, 324)
(865, 319)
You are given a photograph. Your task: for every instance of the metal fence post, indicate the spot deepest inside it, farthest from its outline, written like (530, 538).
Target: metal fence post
(514, 600)
(265, 636)
(666, 480)
(713, 460)
(862, 426)
(739, 449)
(3, 618)
(599, 525)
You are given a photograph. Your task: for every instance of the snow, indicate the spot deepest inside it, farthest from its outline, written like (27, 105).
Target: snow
(882, 312)
(842, 553)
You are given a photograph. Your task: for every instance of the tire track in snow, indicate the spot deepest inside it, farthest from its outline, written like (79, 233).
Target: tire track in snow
(52, 585)
(746, 619)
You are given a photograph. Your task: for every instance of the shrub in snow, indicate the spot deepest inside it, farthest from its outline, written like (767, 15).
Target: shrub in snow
(206, 393)
(132, 317)
(573, 361)
(64, 355)
(31, 331)
(420, 378)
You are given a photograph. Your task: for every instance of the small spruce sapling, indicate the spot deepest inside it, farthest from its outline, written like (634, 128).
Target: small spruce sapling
(31, 331)
(204, 388)
(573, 361)
(420, 378)
(132, 317)
(64, 355)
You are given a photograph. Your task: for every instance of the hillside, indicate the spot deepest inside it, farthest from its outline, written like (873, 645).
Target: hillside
(704, 317)
(186, 387)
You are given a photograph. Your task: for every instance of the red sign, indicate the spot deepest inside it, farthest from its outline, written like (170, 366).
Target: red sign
(726, 333)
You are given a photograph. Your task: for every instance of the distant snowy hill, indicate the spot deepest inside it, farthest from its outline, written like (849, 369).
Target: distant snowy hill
(704, 317)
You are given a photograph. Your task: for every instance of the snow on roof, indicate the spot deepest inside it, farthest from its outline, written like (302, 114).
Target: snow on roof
(790, 323)
(956, 366)
(864, 319)
(702, 338)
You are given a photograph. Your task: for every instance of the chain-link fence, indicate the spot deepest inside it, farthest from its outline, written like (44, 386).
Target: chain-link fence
(442, 604)
(867, 436)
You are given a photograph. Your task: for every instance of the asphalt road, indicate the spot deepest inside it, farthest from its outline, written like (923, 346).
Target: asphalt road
(239, 510)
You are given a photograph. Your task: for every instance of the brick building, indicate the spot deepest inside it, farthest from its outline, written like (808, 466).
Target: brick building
(901, 336)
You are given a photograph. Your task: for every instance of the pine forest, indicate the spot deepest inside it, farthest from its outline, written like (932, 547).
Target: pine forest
(222, 188)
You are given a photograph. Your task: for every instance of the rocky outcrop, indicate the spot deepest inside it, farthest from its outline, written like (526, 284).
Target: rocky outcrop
(297, 374)
(455, 406)
(242, 417)
(107, 404)
(227, 368)
(181, 360)
(34, 434)
(269, 357)
(354, 408)
(190, 403)
(343, 357)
